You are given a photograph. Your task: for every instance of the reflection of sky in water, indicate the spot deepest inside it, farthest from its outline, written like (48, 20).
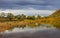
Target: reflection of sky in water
(37, 32)
(54, 33)
(42, 27)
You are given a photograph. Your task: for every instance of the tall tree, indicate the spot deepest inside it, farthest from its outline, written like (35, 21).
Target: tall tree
(31, 17)
(10, 16)
(38, 16)
(2, 14)
(21, 17)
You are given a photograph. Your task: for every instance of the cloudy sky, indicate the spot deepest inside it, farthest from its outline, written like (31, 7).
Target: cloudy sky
(25, 4)
(29, 7)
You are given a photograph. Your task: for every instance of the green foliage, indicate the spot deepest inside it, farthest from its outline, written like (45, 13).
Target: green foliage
(10, 16)
(38, 16)
(31, 17)
(21, 17)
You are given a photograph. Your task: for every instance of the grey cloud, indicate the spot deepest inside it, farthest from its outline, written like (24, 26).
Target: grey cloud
(24, 4)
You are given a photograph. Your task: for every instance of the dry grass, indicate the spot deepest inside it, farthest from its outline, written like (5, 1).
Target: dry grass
(7, 25)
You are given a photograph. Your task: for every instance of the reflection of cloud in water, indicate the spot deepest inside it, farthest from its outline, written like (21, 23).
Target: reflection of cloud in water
(54, 33)
(27, 29)
(37, 32)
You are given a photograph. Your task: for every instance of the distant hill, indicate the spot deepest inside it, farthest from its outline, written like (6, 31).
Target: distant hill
(55, 14)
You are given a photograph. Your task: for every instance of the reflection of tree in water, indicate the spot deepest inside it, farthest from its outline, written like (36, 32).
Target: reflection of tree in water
(33, 25)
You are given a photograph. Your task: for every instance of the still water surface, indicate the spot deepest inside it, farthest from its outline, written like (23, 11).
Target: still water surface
(31, 29)
(43, 31)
